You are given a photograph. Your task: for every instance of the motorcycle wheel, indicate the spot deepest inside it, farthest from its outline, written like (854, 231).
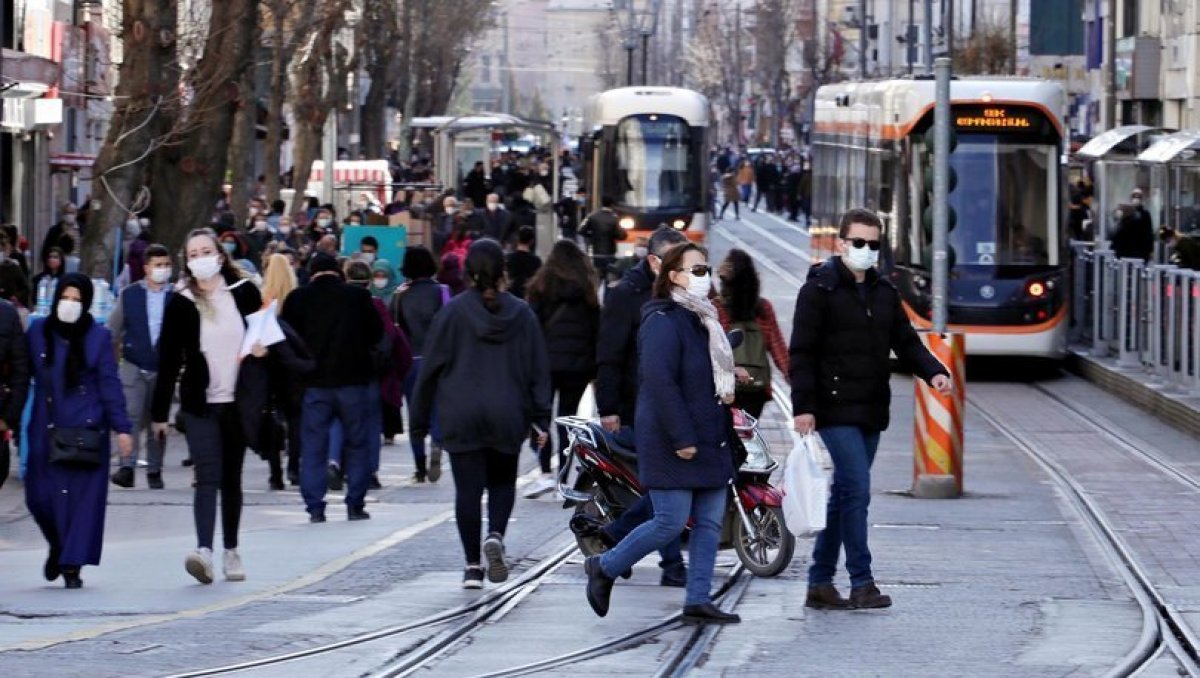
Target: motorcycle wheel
(771, 551)
(590, 546)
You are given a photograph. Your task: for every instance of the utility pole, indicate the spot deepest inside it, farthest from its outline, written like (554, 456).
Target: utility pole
(1110, 56)
(506, 74)
(927, 37)
(1012, 35)
(862, 39)
(910, 36)
(941, 191)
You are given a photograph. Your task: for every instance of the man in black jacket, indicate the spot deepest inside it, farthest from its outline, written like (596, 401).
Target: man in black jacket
(341, 328)
(848, 319)
(1134, 237)
(602, 229)
(617, 379)
(14, 380)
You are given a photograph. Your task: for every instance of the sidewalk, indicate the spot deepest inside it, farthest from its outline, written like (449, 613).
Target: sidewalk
(1173, 405)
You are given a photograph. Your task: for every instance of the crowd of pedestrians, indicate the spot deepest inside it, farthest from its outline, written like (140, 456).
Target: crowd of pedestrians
(779, 181)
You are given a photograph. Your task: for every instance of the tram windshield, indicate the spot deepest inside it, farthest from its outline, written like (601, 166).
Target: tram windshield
(1006, 201)
(653, 156)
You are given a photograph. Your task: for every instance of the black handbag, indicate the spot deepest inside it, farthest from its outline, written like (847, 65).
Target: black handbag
(79, 447)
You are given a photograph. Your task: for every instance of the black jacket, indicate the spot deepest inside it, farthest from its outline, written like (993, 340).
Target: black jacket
(602, 229)
(1134, 238)
(570, 328)
(488, 374)
(179, 351)
(616, 346)
(339, 324)
(840, 364)
(14, 366)
(520, 267)
(271, 384)
(414, 309)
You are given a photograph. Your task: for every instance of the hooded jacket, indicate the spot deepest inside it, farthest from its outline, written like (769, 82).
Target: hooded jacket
(841, 344)
(570, 327)
(487, 372)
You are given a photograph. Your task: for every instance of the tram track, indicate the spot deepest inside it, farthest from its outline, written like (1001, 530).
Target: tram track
(1164, 628)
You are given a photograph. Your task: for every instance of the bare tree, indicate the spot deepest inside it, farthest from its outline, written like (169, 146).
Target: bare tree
(318, 89)
(717, 62)
(288, 22)
(775, 33)
(146, 88)
(988, 51)
(378, 42)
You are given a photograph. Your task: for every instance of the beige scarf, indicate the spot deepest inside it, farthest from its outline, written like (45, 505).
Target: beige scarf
(719, 350)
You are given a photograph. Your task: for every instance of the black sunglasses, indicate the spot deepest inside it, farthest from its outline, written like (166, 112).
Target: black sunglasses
(698, 270)
(860, 243)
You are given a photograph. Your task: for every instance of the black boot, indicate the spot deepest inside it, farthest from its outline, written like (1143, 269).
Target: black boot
(51, 569)
(154, 481)
(708, 613)
(123, 477)
(71, 578)
(599, 586)
(673, 574)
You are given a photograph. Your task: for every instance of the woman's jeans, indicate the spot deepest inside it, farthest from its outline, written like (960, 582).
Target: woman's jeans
(672, 508)
(853, 451)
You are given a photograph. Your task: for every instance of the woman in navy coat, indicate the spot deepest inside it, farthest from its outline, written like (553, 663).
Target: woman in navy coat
(686, 380)
(77, 387)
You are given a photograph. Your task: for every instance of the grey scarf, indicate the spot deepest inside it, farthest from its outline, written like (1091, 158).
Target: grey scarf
(719, 350)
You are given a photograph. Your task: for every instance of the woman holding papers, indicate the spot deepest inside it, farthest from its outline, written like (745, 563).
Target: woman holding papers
(203, 329)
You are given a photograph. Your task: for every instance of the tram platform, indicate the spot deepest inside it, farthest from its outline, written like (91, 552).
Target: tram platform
(1174, 404)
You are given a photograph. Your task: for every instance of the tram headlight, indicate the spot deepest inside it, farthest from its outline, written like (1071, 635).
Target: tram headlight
(627, 223)
(1036, 289)
(679, 224)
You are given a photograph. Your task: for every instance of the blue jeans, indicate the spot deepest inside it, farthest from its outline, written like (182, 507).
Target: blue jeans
(435, 430)
(672, 508)
(853, 451)
(322, 406)
(374, 415)
(640, 512)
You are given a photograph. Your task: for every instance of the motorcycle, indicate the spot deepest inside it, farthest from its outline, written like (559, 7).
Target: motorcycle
(607, 485)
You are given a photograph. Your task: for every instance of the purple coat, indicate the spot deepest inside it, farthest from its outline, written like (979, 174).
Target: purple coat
(68, 503)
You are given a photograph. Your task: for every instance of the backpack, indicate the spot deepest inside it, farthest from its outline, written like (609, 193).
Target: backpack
(751, 355)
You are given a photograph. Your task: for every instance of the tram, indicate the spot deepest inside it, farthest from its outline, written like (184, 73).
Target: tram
(647, 149)
(1008, 247)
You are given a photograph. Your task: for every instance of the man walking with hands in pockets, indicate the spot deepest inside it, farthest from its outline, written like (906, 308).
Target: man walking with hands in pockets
(848, 319)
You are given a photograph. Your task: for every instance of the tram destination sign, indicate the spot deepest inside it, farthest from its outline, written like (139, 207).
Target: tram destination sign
(997, 118)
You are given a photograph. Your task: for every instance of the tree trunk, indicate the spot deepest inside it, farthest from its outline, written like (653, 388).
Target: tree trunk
(410, 84)
(306, 148)
(192, 169)
(144, 91)
(241, 150)
(280, 56)
(374, 114)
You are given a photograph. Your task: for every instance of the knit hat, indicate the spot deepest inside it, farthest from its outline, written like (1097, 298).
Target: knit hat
(323, 263)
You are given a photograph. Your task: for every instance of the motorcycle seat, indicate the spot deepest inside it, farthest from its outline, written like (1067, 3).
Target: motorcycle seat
(619, 444)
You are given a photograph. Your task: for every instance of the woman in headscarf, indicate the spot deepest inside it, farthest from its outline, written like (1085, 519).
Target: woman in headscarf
(383, 281)
(78, 395)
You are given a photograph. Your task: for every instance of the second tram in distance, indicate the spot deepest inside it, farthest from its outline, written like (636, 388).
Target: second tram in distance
(647, 149)
(1008, 250)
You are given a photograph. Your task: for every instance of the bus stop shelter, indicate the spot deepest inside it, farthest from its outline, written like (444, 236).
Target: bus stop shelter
(460, 141)
(1112, 160)
(1174, 165)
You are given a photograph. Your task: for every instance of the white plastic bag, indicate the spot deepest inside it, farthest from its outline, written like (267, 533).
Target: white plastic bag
(805, 487)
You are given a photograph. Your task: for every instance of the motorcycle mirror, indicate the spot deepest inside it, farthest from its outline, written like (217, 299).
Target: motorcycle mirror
(736, 337)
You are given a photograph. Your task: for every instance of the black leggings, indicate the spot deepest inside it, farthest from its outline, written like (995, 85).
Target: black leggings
(474, 472)
(570, 387)
(727, 203)
(217, 445)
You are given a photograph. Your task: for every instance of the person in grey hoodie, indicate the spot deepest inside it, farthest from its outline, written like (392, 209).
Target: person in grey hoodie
(487, 370)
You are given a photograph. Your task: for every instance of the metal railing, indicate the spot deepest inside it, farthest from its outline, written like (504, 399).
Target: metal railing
(1147, 316)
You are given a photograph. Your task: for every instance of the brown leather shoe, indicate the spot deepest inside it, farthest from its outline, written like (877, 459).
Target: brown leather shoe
(869, 598)
(826, 597)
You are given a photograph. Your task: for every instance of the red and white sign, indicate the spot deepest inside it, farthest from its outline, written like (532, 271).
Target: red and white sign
(372, 176)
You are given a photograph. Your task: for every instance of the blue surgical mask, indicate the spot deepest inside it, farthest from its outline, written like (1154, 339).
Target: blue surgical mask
(230, 247)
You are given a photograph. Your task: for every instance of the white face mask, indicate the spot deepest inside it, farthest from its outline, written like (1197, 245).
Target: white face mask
(160, 275)
(132, 228)
(379, 283)
(860, 258)
(204, 268)
(69, 311)
(260, 225)
(493, 206)
(368, 257)
(68, 218)
(641, 252)
(253, 211)
(698, 286)
(323, 222)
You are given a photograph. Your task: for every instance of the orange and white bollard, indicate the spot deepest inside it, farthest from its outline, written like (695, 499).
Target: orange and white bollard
(938, 431)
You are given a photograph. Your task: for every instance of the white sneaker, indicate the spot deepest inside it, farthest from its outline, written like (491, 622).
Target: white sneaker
(233, 566)
(540, 486)
(199, 565)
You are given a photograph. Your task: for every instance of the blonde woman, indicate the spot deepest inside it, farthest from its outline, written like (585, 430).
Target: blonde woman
(278, 280)
(203, 328)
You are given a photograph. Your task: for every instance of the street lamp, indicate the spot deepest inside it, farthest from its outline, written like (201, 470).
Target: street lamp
(636, 19)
